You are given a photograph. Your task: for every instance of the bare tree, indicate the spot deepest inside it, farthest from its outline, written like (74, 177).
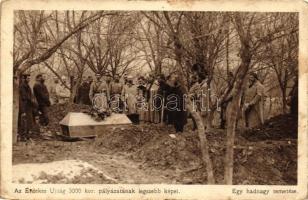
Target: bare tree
(32, 46)
(281, 55)
(255, 32)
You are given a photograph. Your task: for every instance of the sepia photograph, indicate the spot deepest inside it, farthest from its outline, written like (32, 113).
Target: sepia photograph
(155, 97)
(168, 97)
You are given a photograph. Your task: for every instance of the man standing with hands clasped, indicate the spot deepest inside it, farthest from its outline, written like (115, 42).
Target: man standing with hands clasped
(42, 97)
(26, 108)
(254, 102)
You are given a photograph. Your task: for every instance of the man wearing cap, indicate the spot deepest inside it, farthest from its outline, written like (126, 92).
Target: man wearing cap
(62, 92)
(129, 95)
(115, 89)
(254, 102)
(42, 97)
(26, 108)
(99, 86)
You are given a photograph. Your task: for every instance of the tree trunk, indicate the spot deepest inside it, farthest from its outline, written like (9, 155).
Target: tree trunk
(15, 109)
(284, 101)
(75, 89)
(204, 145)
(178, 51)
(231, 125)
(245, 55)
(209, 120)
(232, 116)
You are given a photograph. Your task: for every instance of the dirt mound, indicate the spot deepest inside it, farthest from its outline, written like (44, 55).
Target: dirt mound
(166, 152)
(263, 155)
(129, 138)
(276, 128)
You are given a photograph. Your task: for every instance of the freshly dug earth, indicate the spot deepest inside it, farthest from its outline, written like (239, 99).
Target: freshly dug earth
(146, 153)
(277, 128)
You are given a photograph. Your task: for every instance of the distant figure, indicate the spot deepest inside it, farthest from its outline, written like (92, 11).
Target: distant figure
(163, 91)
(99, 88)
(84, 91)
(42, 97)
(254, 102)
(115, 89)
(225, 104)
(130, 96)
(53, 94)
(26, 108)
(153, 110)
(142, 104)
(176, 106)
(62, 92)
(199, 93)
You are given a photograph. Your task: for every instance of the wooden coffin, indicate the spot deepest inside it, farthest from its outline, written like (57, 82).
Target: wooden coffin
(76, 124)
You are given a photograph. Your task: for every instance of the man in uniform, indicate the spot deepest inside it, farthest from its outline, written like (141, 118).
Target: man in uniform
(115, 89)
(26, 108)
(253, 102)
(99, 87)
(42, 97)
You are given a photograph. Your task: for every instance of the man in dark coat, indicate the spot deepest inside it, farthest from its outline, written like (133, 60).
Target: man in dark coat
(163, 91)
(83, 92)
(26, 108)
(176, 106)
(42, 97)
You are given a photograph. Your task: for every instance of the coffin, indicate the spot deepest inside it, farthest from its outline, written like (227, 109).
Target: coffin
(76, 124)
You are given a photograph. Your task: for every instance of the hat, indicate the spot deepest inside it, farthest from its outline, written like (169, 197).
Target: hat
(38, 76)
(254, 74)
(25, 75)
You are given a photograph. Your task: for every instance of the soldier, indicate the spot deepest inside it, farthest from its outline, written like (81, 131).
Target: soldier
(130, 98)
(63, 93)
(253, 102)
(176, 105)
(99, 87)
(84, 91)
(142, 104)
(42, 97)
(115, 89)
(26, 108)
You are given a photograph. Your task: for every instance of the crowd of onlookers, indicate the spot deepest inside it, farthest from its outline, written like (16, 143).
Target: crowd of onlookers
(151, 98)
(142, 99)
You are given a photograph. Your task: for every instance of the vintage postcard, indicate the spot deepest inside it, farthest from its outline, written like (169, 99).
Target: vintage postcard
(154, 99)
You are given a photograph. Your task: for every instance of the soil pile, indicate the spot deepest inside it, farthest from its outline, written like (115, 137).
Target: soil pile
(276, 128)
(263, 155)
(129, 138)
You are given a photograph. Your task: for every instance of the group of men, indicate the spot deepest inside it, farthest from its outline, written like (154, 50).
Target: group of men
(155, 99)
(33, 106)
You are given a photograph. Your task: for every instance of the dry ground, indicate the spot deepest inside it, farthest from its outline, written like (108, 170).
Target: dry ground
(147, 154)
